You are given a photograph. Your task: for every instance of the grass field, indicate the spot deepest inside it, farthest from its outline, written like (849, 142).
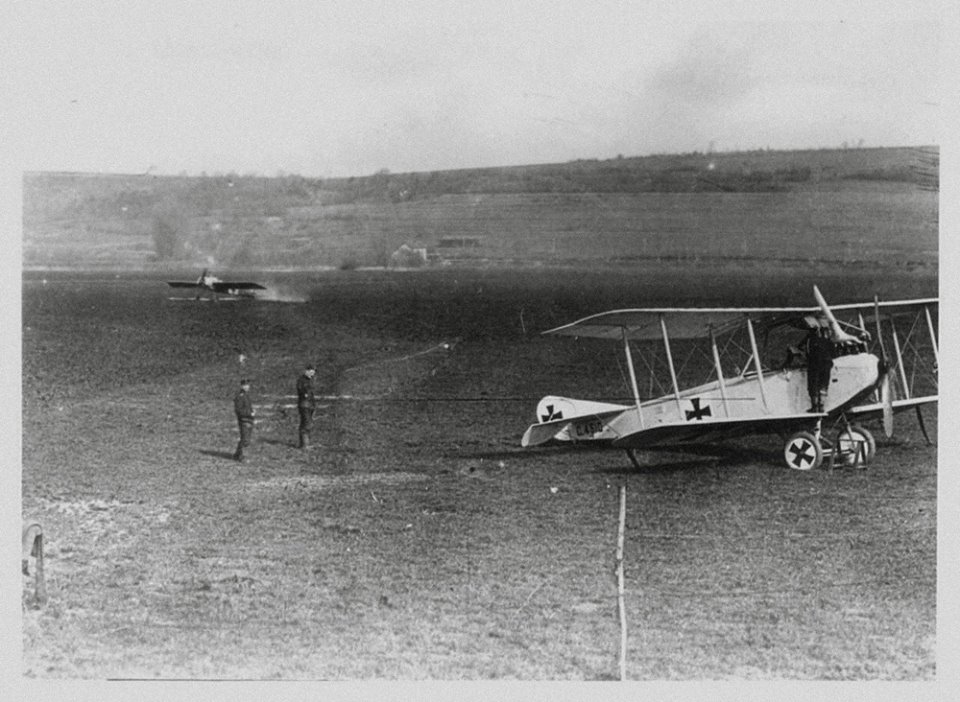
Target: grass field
(419, 541)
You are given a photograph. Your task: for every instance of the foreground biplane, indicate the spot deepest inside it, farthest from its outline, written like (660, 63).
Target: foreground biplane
(861, 379)
(208, 283)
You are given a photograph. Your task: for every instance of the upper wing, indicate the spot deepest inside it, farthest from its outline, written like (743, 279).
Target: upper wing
(696, 323)
(223, 287)
(183, 284)
(918, 302)
(685, 322)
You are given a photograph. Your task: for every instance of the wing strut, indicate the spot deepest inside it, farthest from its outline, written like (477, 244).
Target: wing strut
(716, 364)
(633, 375)
(885, 398)
(756, 361)
(933, 336)
(863, 327)
(673, 372)
(936, 360)
(903, 372)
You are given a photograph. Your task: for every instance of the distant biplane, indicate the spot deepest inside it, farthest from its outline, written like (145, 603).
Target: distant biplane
(859, 379)
(208, 283)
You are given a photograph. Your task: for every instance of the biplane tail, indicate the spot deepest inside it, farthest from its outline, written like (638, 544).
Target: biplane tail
(565, 419)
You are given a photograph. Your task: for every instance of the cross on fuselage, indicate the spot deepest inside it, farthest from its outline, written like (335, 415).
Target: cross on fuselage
(698, 412)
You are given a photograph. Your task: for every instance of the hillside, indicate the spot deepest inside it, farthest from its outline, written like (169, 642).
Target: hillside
(850, 205)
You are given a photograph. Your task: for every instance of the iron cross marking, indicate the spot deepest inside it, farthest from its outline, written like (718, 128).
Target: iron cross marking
(800, 453)
(698, 412)
(551, 415)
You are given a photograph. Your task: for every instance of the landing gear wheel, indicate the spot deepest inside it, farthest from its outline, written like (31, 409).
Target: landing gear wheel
(803, 451)
(632, 455)
(855, 446)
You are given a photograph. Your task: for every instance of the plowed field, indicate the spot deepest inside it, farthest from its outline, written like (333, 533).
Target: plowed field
(417, 540)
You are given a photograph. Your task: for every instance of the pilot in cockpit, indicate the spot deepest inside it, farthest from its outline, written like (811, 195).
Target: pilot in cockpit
(822, 344)
(841, 343)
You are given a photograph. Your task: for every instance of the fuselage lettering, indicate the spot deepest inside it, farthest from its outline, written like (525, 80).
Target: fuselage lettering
(590, 428)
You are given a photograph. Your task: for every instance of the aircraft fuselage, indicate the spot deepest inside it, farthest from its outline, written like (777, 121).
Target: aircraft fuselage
(744, 402)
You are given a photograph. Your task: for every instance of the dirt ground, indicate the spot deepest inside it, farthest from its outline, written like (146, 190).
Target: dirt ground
(417, 540)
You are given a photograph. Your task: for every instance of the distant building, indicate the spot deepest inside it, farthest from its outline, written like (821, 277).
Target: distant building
(459, 242)
(407, 257)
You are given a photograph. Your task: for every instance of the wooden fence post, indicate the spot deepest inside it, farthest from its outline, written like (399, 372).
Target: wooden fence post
(32, 545)
(620, 603)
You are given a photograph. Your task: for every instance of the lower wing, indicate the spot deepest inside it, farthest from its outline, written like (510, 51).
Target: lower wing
(183, 284)
(875, 409)
(714, 430)
(227, 287)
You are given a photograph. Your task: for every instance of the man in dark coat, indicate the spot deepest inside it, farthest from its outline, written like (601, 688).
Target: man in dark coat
(819, 366)
(244, 411)
(306, 404)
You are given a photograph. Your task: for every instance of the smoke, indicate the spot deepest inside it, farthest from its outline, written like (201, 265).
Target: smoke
(393, 375)
(169, 230)
(688, 101)
(280, 294)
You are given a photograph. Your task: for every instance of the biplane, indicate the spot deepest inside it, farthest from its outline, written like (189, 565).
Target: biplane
(836, 368)
(207, 282)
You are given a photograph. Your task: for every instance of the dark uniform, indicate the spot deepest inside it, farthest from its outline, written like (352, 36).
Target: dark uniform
(244, 411)
(819, 366)
(306, 405)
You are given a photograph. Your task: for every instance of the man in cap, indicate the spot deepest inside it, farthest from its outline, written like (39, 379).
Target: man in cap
(244, 411)
(819, 366)
(306, 404)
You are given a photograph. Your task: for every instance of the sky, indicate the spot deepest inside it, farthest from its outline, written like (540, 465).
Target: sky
(326, 89)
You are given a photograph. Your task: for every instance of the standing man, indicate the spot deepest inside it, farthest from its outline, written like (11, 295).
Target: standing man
(819, 366)
(244, 411)
(306, 404)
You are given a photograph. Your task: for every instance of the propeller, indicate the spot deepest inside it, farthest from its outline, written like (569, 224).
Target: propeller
(838, 334)
(887, 401)
(886, 398)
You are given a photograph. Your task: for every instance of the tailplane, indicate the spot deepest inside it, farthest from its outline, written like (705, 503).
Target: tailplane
(557, 415)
